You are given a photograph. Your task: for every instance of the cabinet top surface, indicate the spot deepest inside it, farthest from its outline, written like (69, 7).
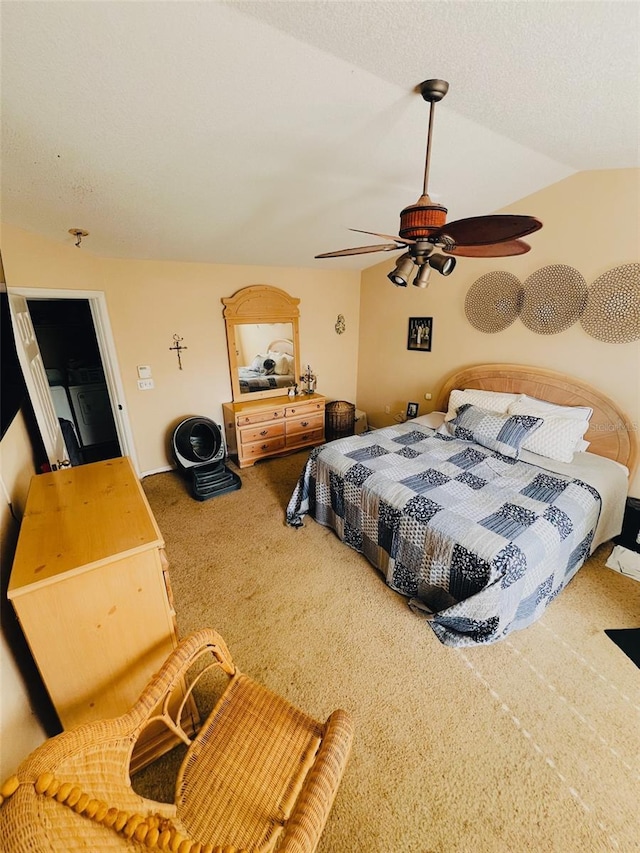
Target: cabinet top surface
(274, 402)
(81, 517)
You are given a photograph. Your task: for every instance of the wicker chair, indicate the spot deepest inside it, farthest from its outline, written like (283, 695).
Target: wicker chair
(260, 775)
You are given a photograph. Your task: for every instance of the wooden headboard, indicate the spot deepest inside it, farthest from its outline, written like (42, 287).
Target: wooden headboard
(611, 432)
(281, 345)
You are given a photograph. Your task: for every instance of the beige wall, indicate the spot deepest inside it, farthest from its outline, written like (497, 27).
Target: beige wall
(20, 730)
(150, 301)
(591, 223)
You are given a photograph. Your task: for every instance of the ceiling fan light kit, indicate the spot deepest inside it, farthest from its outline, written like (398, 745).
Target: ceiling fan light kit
(423, 226)
(424, 274)
(402, 273)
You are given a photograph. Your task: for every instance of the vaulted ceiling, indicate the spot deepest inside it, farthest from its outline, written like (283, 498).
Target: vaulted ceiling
(260, 132)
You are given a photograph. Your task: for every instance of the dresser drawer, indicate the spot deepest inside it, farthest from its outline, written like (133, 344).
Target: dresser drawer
(259, 417)
(261, 432)
(305, 423)
(310, 436)
(303, 408)
(261, 448)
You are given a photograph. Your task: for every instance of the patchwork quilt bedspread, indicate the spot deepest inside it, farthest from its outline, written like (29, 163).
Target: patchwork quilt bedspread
(480, 543)
(251, 380)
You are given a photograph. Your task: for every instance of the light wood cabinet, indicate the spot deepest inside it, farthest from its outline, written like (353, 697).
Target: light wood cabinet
(90, 586)
(260, 429)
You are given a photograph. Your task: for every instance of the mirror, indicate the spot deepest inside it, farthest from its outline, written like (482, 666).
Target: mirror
(263, 342)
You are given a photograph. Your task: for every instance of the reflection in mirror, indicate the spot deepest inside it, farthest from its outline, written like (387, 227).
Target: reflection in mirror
(263, 343)
(265, 356)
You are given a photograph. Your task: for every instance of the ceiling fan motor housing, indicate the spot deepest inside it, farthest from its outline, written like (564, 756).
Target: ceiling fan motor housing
(421, 219)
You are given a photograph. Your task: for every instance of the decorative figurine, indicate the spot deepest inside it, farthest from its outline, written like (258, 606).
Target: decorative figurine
(308, 380)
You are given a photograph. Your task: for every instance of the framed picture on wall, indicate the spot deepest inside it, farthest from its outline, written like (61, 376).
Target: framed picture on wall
(420, 333)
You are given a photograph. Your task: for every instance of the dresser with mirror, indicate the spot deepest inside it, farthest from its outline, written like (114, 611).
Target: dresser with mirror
(266, 417)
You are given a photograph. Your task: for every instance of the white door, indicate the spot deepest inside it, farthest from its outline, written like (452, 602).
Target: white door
(35, 378)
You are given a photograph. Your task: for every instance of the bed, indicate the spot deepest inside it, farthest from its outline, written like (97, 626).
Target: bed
(274, 369)
(478, 532)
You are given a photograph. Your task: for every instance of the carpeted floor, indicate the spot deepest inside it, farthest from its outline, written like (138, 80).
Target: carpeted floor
(531, 744)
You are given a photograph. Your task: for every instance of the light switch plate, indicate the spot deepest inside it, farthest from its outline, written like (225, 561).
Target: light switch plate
(145, 384)
(144, 371)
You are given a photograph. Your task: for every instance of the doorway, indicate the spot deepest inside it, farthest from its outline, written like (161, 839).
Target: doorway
(75, 374)
(71, 358)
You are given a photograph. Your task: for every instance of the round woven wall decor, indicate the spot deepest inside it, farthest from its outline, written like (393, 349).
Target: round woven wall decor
(612, 312)
(554, 298)
(493, 301)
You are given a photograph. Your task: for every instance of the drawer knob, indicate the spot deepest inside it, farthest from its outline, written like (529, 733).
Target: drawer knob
(304, 423)
(264, 432)
(264, 447)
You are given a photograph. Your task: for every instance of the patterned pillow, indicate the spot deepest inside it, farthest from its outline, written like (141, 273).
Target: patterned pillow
(493, 430)
(492, 401)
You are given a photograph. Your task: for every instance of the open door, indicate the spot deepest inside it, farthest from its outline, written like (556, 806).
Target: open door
(35, 379)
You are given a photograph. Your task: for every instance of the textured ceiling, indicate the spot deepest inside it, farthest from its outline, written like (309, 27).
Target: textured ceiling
(259, 132)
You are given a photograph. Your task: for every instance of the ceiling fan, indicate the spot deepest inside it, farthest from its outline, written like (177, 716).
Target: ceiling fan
(423, 227)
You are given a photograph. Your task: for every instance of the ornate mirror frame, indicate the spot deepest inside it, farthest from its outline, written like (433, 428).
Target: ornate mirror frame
(259, 304)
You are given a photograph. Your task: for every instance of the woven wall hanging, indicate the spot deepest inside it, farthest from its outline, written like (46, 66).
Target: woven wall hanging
(612, 312)
(554, 298)
(493, 301)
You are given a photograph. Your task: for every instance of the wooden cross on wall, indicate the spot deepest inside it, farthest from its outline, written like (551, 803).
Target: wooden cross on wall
(178, 348)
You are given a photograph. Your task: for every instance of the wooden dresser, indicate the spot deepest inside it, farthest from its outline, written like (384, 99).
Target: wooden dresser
(260, 429)
(90, 587)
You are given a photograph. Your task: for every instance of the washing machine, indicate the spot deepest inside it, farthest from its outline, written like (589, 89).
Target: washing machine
(61, 402)
(93, 416)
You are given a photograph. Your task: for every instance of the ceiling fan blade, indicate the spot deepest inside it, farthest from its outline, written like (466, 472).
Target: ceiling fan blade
(493, 250)
(483, 230)
(403, 240)
(361, 250)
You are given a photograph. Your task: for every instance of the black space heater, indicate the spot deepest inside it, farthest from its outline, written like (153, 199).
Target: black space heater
(198, 449)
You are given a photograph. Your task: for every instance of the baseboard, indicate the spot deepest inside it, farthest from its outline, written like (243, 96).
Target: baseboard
(157, 471)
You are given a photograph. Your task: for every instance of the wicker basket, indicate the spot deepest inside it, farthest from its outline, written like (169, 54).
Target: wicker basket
(340, 419)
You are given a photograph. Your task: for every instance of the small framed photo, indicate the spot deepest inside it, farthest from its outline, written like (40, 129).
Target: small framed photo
(412, 411)
(420, 333)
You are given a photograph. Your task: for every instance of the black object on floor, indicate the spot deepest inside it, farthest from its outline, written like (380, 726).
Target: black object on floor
(627, 639)
(198, 449)
(630, 534)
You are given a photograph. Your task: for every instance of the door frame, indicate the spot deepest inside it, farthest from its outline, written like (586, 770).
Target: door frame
(106, 345)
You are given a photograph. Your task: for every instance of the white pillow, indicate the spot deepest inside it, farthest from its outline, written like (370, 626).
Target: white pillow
(286, 365)
(540, 408)
(432, 419)
(556, 438)
(493, 401)
(283, 365)
(257, 363)
(553, 436)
